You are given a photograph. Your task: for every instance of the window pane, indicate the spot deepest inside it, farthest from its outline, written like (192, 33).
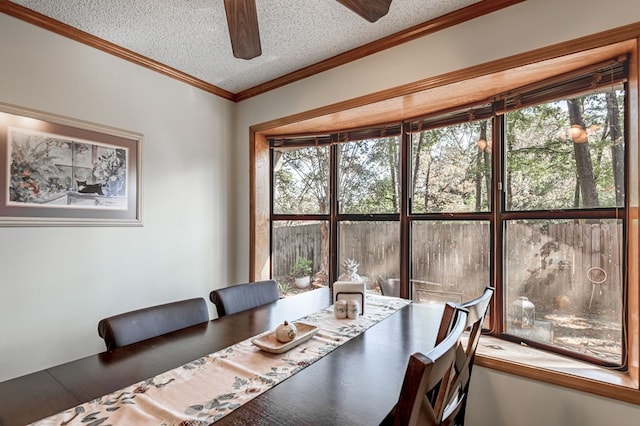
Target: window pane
(300, 248)
(301, 180)
(566, 154)
(451, 168)
(450, 261)
(369, 176)
(571, 273)
(374, 246)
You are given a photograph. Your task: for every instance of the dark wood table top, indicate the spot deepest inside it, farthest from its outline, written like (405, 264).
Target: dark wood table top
(358, 383)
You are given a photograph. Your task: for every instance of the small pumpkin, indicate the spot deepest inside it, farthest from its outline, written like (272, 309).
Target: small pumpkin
(286, 332)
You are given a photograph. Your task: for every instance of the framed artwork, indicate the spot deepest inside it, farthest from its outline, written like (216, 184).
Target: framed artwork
(63, 172)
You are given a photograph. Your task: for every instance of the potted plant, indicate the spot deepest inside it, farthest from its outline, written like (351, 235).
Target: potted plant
(301, 271)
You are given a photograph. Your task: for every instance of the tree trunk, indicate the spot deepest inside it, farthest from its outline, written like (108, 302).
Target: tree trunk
(479, 179)
(483, 167)
(617, 146)
(426, 187)
(323, 201)
(324, 249)
(416, 165)
(582, 155)
(487, 174)
(510, 139)
(394, 172)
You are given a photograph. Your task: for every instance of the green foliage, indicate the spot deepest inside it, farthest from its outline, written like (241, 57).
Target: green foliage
(541, 166)
(451, 172)
(301, 180)
(447, 165)
(283, 287)
(369, 176)
(302, 267)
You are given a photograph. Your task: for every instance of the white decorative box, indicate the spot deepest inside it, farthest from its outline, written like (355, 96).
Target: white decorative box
(350, 290)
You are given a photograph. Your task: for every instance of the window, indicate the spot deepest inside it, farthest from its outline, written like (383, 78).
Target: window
(563, 220)
(300, 208)
(450, 208)
(301, 180)
(310, 220)
(526, 191)
(451, 168)
(369, 176)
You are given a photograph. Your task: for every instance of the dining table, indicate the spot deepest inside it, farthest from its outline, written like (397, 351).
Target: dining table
(357, 383)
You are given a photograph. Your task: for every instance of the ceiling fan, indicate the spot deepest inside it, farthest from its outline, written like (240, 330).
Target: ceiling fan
(242, 20)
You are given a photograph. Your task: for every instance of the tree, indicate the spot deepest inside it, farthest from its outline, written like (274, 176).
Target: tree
(369, 176)
(549, 150)
(368, 181)
(302, 187)
(448, 171)
(617, 145)
(393, 157)
(483, 167)
(540, 163)
(301, 180)
(584, 167)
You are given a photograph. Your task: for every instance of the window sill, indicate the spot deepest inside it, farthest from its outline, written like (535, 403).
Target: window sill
(539, 365)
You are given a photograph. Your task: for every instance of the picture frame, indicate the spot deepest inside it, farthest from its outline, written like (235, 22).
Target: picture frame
(58, 171)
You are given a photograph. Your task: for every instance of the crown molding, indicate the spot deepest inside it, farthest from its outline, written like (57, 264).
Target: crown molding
(454, 18)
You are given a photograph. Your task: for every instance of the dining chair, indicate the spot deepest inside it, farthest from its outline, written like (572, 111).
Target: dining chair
(390, 287)
(427, 396)
(240, 297)
(134, 326)
(477, 309)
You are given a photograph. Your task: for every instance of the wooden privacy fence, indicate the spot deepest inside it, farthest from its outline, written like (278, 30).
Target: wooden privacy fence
(574, 263)
(578, 264)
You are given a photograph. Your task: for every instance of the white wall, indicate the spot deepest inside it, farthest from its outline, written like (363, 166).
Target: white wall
(56, 283)
(497, 399)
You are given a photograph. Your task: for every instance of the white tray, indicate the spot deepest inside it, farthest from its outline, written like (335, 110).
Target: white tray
(268, 342)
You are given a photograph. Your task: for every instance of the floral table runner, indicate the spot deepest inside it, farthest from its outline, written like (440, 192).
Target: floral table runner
(207, 389)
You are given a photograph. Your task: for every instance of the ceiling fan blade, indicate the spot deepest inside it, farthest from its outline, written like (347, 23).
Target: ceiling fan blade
(242, 20)
(371, 10)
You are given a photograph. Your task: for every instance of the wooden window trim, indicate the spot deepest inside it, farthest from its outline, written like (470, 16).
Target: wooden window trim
(484, 80)
(524, 361)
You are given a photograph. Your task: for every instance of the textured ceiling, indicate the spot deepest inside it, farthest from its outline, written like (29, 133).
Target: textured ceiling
(192, 36)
